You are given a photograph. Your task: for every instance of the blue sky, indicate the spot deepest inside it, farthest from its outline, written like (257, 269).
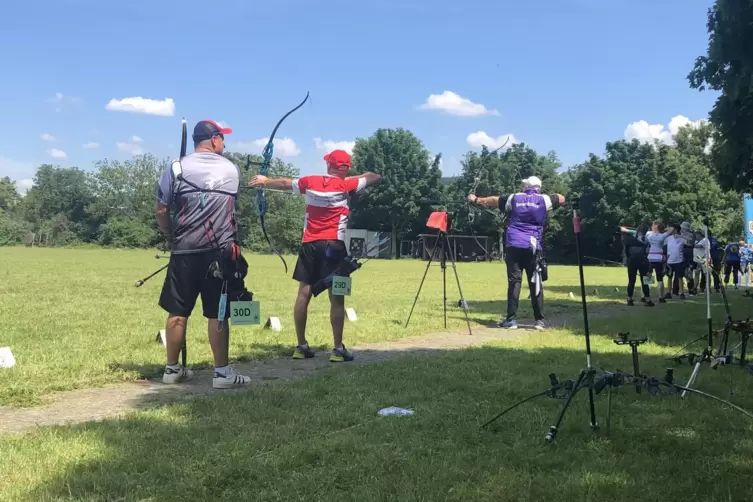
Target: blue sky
(562, 75)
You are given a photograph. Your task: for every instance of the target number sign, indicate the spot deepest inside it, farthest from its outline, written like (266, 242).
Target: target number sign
(244, 313)
(341, 286)
(648, 280)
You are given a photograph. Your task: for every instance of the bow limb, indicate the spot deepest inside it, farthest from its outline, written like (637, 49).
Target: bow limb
(261, 200)
(472, 211)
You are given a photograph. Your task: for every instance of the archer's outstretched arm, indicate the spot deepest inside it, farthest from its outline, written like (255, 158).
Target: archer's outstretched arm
(491, 202)
(371, 178)
(260, 181)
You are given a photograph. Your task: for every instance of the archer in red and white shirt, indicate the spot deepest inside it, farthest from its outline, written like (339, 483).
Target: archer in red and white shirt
(327, 210)
(323, 247)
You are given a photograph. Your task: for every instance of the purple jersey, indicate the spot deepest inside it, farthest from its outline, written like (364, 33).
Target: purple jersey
(527, 212)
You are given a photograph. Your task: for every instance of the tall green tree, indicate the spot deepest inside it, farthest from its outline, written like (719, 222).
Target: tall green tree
(56, 205)
(641, 182)
(408, 176)
(727, 67)
(123, 201)
(9, 196)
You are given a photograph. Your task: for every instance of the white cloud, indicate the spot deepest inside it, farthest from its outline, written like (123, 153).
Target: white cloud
(90, 146)
(165, 107)
(480, 138)
(24, 185)
(643, 131)
(58, 154)
(329, 145)
(454, 104)
(284, 147)
(133, 147)
(47, 137)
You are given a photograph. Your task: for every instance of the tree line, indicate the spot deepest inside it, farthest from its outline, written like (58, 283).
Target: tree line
(632, 182)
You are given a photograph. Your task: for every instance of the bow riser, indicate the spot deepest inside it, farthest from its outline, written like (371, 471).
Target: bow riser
(261, 200)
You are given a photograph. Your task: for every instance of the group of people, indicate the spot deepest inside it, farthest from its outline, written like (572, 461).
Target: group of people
(196, 199)
(675, 252)
(678, 253)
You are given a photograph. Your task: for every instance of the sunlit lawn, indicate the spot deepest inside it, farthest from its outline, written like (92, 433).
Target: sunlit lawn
(321, 439)
(74, 319)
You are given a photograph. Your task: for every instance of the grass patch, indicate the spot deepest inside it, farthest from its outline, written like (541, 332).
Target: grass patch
(321, 438)
(74, 319)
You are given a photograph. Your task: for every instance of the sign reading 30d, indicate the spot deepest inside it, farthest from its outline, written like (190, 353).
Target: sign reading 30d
(244, 313)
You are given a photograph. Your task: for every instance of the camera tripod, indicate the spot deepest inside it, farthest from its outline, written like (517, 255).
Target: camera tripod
(442, 248)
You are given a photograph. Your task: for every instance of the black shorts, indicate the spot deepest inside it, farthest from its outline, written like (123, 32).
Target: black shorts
(658, 267)
(188, 277)
(318, 260)
(678, 269)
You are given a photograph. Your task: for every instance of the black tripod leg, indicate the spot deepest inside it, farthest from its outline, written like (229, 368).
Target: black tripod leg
(183, 356)
(594, 425)
(460, 291)
(561, 415)
(431, 258)
(636, 370)
(609, 409)
(444, 280)
(743, 348)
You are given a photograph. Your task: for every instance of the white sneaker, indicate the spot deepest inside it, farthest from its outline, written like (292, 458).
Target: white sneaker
(176, 376)
(230, 380)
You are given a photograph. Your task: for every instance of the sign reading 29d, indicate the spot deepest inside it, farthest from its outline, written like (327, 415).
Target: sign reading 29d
(244, 313)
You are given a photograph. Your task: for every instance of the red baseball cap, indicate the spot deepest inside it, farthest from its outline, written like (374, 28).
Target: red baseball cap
(338, 159)
(208, 129)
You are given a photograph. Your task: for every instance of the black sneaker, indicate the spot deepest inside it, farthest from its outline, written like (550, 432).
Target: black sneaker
(662, 300)
(649, 303)
(682, 296)
(630, 302)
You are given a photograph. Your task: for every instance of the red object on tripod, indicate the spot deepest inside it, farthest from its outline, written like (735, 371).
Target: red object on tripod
(438, 221)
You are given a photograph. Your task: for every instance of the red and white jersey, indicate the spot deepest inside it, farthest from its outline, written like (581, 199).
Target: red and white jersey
(327, 208)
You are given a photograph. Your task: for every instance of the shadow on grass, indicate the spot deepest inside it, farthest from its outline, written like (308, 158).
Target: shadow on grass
(321, 439)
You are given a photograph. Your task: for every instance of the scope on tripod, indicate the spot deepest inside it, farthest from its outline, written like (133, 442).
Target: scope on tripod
(624, 339)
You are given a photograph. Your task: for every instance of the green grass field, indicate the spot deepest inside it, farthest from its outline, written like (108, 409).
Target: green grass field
(74, 320)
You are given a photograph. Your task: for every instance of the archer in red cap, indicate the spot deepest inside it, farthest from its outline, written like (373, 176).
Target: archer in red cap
(323, 250)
